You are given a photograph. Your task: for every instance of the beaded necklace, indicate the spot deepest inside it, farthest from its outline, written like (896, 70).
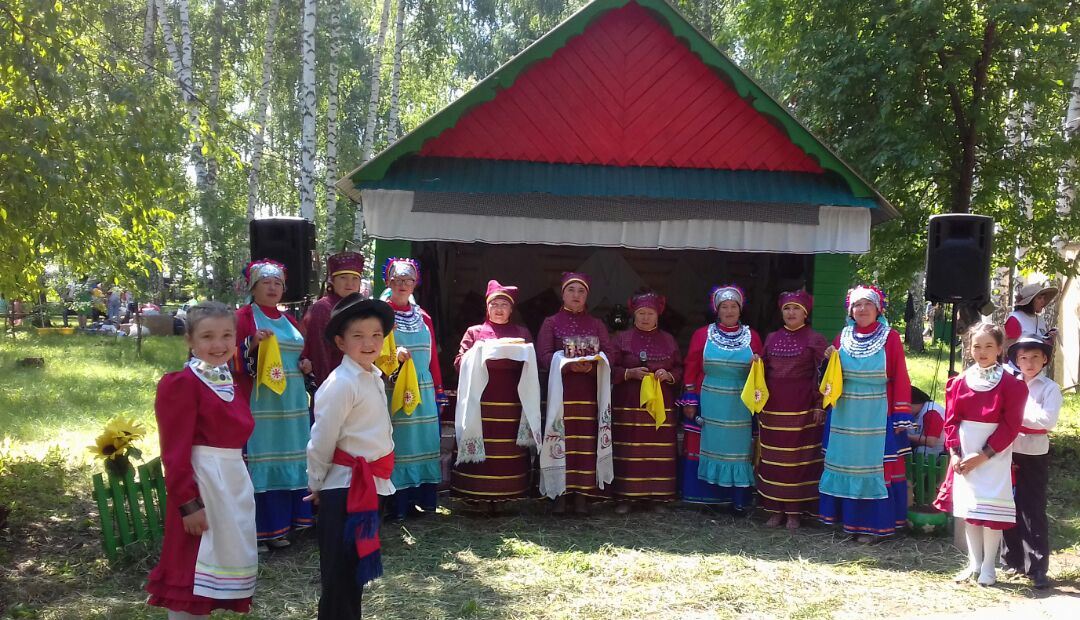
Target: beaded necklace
(730, 342)
(863, 345)
(408, 321)
(217, 378)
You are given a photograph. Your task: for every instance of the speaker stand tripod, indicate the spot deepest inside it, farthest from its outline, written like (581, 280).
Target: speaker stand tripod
(952, 342)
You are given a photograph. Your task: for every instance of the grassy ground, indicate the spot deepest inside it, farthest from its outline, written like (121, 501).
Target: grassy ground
(687, 564)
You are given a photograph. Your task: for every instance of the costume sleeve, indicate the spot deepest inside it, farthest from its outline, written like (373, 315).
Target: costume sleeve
(467, 342)
(605, 339)
(951, 429)
(694, 366)
(933, 423)
(755, 343)
(333, 402)
(245, 360)
(176, 411)
(433, 367)
(818, 344)
(618, 352)
(899, 386)
(1042, 413)
(1012, 328)
(1012, 415)
(545, 345)
(676, 369)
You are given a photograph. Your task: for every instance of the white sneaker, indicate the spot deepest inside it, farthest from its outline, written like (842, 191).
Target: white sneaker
(262, 548)
(278, 543)
(987, 577)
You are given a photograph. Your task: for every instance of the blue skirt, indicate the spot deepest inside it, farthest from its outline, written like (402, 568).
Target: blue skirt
(426, 496)
(876, 517)
(279, 512)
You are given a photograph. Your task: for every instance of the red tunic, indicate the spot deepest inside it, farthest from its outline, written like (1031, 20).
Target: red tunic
(645, 456)
(1003, 405)
(324, 354)
(244, 363)
(504, 474)
(190, 414)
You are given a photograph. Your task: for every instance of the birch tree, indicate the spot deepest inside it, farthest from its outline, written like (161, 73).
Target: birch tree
(332, 127)
(259, 139)
(373, 108)
(307, 111)
(393, 122)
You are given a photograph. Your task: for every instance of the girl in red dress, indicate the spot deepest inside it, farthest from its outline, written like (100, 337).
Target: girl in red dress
(208, 558)
(984, 410)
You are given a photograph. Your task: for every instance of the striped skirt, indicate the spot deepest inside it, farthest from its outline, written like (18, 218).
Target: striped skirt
(579, 418)
(791, 461)
(505, 472)
(645, 456)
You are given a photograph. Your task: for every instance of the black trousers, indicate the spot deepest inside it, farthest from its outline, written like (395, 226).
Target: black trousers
(340, 597)
(1026, 547)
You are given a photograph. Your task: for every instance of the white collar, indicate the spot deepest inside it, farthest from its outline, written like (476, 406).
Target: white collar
(356, 369)
(983, 379)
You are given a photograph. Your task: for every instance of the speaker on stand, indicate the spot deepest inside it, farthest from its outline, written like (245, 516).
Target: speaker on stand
(291, 242)
(959, 248)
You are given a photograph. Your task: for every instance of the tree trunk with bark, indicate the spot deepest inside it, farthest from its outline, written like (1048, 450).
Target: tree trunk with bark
(332, 128)
(393, 123)
(307, 111)
(260, 109)
(368, 147)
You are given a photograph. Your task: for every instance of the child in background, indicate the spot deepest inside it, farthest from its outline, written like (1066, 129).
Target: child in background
(984, 408)
(351, 456)
(926, 436)
(208, 558)
(1027, 546)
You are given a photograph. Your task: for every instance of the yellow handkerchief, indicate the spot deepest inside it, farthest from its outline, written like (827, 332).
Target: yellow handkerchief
(652, 399)
(832, 384)
(406, 391)
(270, 370)
(387, 360)
(755, 394)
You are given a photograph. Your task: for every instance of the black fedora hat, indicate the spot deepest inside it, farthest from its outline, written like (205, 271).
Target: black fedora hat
(1030, 341)
(355, 305)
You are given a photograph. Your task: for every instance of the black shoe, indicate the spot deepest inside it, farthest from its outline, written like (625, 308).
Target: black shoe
(1040, 582)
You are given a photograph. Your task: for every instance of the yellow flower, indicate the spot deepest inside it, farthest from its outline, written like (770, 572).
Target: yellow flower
(125, 428)
(107, 446)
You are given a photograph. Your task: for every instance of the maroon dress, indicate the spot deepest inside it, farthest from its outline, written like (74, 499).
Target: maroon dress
(645, 456)
(324, 354)
(504, 473)
(190, 414)
(579, 397)
(790, 464)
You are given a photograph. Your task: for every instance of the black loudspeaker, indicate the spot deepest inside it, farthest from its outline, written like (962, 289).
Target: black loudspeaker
(291, 242)
(958, 251)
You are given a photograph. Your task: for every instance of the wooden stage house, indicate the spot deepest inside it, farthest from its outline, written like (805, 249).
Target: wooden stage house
(626, 145)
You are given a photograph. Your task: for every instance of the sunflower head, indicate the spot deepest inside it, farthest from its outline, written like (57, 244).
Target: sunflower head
(125, 428)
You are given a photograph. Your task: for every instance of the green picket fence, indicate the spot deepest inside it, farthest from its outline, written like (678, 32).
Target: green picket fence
(925, 473)
(132, 511)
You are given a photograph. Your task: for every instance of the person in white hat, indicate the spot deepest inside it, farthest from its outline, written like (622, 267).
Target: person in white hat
(1026, 317)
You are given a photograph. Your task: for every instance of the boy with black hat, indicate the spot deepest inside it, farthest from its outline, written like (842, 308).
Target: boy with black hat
(1026, 547)
(351, 456)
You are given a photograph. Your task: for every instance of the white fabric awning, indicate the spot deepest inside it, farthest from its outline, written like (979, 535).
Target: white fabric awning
(389, 215)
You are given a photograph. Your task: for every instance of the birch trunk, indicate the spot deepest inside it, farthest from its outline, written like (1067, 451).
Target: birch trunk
(332, 127)
(393, 123)
(182, 74)
(373, 109)
(1066, 190)
(913, 333)
(260, 110)
(148, 38)
(214, 96)
(307, 111)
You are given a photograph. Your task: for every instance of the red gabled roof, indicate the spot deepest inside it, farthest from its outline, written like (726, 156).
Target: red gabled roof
(626, 92)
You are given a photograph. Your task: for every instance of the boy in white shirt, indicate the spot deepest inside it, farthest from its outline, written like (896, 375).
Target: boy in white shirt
(350, 456)
(1026, 547)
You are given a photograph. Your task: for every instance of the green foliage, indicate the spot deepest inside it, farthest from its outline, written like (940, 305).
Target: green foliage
(87, 157)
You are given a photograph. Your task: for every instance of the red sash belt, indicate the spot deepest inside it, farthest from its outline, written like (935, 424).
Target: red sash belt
(1032, 431)
(362, 507)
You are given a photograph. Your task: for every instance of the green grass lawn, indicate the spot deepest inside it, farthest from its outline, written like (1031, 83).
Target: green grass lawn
(687, 564)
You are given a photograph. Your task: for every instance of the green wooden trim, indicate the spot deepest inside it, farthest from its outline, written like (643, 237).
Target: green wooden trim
(154, 524)
(123, 519)
(384, 249)
(546, 46)
(128, 509)
(925, 473)
(832, 276)
(105, 515)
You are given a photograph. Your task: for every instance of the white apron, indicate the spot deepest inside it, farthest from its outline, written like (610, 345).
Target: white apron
(986, 492)
(228, 557)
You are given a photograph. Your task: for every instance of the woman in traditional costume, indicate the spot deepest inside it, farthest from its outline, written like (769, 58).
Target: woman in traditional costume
(576, 456)
(498, 409)
(417, 469)
(717, 366)
(644, 431)
(791, 424)
(864, 485)
(984, 412)
(343, 272)
(274, 385)
(208, 557)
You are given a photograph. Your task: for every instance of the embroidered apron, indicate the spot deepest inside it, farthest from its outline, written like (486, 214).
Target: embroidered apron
(986, 492)
(726, 433)
(416, 437)
(228, 560)
(854, 466)
(277, 450)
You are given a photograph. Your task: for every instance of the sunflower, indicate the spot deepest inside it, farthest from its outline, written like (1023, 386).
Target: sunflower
(125, 428)
(105, 446)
